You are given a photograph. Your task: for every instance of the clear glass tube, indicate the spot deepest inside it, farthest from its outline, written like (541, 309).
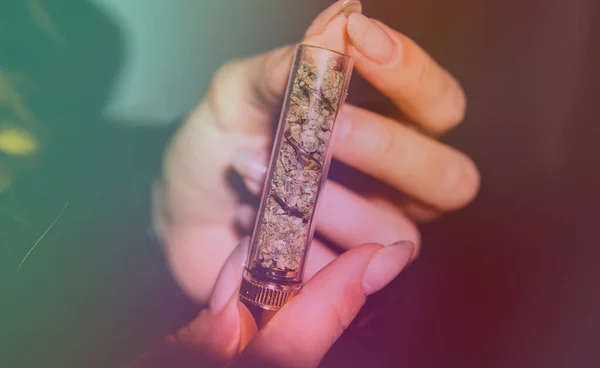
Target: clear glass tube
(296, 176)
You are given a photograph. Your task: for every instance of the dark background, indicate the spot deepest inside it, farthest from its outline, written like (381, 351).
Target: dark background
(510, 281)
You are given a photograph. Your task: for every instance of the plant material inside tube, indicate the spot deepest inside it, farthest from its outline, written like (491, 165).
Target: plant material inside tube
(297, 171)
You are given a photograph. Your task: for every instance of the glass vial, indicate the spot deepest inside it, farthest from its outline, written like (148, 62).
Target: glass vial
(296, 176)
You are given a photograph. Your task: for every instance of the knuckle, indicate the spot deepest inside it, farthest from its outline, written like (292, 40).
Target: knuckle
(344, 311)
(223, 89)
(423, 70)
(386, 146)
(223, 77)
(416, 64)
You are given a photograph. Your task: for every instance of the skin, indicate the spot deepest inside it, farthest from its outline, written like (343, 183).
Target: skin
(197, 210)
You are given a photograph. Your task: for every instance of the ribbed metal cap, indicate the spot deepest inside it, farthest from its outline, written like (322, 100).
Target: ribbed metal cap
(265, 295)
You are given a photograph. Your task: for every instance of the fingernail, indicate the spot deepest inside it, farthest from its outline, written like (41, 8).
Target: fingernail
(245, 216)
(370, 40)
(385, 265)
(251, 166)
(229, 278)
(339, 7)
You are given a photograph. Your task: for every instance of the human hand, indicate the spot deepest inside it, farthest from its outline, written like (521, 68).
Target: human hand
(300, 334)
(198, 210)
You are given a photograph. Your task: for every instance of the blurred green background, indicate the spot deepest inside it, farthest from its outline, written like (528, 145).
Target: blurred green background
(90, 92)
(172, 47)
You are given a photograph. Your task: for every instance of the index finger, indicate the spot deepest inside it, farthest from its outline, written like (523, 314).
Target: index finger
(394, 64)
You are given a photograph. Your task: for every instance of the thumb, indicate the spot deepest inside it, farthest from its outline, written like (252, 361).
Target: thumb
(303, 331)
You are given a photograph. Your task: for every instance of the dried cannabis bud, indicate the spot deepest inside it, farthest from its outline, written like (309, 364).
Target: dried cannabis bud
(298, 168)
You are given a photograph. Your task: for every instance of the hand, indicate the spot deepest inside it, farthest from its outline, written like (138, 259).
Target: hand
(300, 334)
(197, 208)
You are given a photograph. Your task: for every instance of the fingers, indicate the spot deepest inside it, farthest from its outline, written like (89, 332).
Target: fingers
(420, 167)
(425, 92)
(304, 330)
(349, 219)
(344, 217)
